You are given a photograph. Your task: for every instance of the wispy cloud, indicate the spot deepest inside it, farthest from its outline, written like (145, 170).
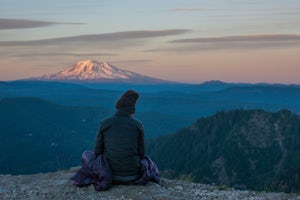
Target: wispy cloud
(49, 54)
(245, 42)
(24, 23)
(243, 38)
(192, 9)
(106, 37)
(131, 61)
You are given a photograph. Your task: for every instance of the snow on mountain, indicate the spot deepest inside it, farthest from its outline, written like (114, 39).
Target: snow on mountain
(91, 70)
(94, 71)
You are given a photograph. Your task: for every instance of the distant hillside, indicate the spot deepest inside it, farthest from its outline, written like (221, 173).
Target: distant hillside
(190, 101)
(38, 136)
(250, 149)
(277, 94)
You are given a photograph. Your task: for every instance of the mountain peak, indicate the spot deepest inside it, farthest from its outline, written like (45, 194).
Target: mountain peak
(95, 71)
(92, 64)
(91, 70)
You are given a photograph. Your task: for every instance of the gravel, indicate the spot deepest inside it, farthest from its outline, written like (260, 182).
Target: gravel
(57, 186)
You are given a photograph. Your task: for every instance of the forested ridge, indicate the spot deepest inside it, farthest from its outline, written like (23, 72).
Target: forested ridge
(251, 149)
(39, 136)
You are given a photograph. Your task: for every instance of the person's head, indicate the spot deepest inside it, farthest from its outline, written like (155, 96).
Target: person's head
(127, 102)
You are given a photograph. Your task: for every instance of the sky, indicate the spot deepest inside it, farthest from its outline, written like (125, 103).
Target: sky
(178, 40)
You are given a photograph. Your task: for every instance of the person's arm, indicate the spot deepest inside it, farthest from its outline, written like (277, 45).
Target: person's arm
(141, 143)
(99, 147)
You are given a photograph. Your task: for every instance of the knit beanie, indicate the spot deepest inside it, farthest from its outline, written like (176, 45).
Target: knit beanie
(127, 101)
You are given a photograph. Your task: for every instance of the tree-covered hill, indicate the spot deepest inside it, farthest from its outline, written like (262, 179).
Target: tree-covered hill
(250, 149)
(38, 136)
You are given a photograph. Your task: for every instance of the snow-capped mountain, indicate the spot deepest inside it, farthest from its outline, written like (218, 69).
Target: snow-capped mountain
(94, 71)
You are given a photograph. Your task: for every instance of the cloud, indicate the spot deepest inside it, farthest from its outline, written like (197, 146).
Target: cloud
(244, 42)
(63, 54)
(24, 23)
(192, 9)
(132, 61)
(242, 38)
(106, 37)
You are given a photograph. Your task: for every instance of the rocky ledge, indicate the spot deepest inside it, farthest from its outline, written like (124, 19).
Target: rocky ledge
(58, 185)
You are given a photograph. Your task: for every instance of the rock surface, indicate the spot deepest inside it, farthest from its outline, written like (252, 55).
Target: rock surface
(58, 185)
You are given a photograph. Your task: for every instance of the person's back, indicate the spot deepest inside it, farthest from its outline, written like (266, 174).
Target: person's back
(121, 139)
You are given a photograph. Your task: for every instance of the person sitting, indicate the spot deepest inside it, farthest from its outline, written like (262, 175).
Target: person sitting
(121, 139)
(119, 151)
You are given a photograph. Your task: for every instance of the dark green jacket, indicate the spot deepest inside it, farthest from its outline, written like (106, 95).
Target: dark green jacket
(121, 139)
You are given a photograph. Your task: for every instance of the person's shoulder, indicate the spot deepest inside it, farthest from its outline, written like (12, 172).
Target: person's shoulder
(106, 121)
(137, 122)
